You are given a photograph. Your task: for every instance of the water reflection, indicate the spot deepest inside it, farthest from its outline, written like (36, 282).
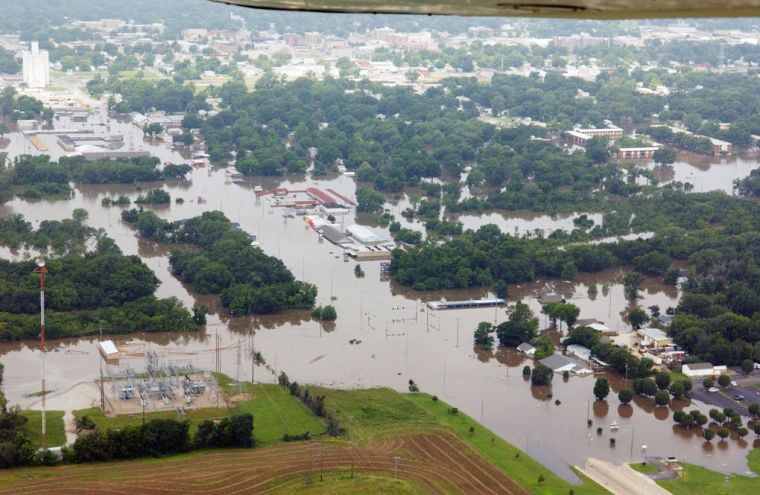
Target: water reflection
(601, 408)
(625, 411)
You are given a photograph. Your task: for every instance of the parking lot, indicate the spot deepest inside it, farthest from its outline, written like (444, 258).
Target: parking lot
(724, 396)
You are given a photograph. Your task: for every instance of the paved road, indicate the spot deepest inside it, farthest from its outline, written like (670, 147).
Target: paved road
(664, 473)
(620, 479)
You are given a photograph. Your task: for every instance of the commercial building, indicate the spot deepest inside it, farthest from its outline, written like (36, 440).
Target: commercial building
(36, 67)
(580, 137)
(636, 153)
(654, 337)
(366, 235)
(702, 369)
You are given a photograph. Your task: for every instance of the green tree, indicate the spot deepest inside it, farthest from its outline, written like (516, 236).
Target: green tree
(687, 420)
(625, 396)
(569, 271)
(661, 398)
(724, 380)
(631, 283)
(521, 326)
(747, 366)
(541, 375)
(664, 156)
(483, 334)
(328, 313)
(597, 149)
(601, 388)
(677, 391)
(723, 433)
(662, 380)
(369, 201)
(637, 317)
(708, 383)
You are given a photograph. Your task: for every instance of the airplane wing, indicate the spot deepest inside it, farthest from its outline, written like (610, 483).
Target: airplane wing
(579, 9)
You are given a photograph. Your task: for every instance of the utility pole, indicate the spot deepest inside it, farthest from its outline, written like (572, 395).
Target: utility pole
(351, 440)
(253, 357)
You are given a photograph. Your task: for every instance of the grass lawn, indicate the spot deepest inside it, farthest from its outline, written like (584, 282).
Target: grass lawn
(676, 376)
(698, 480)
(509, 458)
(643, 467)
(377, 412)
(276, 412)
(54, 430)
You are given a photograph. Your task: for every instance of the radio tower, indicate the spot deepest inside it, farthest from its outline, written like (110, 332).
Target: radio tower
(42, 271)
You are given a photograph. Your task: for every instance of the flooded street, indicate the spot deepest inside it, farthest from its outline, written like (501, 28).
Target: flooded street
(384, 334)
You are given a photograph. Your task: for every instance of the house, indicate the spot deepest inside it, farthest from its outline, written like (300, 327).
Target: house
(601, 328)
(550, 298)
(559, 364)
(581, 352)
(526, 349)
(702, 369)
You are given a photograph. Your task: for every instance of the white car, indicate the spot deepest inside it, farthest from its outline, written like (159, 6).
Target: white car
(712, 389)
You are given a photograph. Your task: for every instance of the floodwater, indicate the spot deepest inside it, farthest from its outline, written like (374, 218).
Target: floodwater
(384, 335)
(708, 173)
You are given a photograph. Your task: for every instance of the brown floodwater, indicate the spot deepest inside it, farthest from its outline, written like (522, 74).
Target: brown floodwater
(384, 335)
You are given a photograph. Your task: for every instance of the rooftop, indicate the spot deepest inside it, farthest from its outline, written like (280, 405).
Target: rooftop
(699, 366)
(653, 333)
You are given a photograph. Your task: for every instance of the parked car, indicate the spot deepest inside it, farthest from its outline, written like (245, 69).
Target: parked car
(738, 397)
(712, 389)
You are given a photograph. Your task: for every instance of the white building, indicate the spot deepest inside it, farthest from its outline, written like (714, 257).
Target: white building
(702, 369)
(36, 67)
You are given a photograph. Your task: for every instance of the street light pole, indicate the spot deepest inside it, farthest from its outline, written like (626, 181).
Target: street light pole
(42, 271)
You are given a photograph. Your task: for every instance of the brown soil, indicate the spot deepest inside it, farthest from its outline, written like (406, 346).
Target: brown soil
(439, 461)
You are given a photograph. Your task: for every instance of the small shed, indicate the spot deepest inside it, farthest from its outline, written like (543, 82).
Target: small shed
(109, 352)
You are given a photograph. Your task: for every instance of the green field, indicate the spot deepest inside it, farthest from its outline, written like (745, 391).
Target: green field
(698, 480)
